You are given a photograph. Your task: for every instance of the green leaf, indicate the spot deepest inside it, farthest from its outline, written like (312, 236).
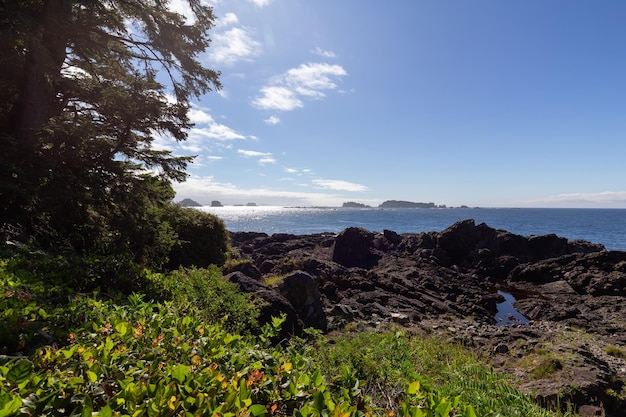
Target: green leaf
(105, 412)
(413, 388)
(318, 380)
(257, 410)
(108, 344)
(122, 328)
(20, 372)
(93, 377)
(468, 411)
(180, 372)
(87, 406)
(417, 412)
(443, 409)
(10, 407)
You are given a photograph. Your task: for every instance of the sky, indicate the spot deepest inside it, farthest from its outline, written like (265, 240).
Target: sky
(484, 103)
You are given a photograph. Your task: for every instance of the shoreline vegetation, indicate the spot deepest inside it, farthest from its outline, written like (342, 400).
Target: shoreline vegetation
(186, 342)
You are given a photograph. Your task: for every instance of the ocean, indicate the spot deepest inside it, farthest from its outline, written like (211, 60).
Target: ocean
(604, 226)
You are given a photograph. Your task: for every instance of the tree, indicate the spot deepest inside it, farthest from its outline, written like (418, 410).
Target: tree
(83, 94)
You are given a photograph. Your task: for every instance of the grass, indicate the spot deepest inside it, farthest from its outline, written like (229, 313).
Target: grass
(385, 361)
(274, 280)
(546, 368)
(615, 351)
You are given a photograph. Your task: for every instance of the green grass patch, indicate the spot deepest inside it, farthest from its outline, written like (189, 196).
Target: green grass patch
(385, 361)
(274, 280)
(546, 368)
(615, 351)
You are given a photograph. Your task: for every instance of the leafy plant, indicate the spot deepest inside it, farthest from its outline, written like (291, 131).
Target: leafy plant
(213, 299)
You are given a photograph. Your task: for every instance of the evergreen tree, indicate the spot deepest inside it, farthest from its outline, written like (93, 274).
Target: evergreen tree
(85, 87)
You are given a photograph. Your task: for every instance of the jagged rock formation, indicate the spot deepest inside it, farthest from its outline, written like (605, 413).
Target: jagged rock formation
(423, 280)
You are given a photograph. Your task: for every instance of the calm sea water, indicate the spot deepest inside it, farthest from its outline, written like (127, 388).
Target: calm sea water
(605, 226)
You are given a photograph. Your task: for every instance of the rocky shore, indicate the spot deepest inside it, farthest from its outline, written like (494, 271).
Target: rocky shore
(450, 283)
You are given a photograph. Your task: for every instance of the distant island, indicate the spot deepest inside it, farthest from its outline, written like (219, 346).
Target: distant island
(393, 204)
(352, 204)
(216, 203)
(408, 204)
(188, 202)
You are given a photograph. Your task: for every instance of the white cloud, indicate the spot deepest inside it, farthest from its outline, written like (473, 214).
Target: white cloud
(267, 160)
(215, 131)
(291, 170)
(206, 127)
(261, 3)
(272, 120)
(234, 45)
(252, 154)
(226, 20)
(214, 158)
(326, 54)
(182, 7)
(339, 185)
(277, 98)
(308, 80)
(200, 116)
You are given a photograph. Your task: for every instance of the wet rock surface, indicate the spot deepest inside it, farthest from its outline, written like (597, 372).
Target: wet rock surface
(573, 293)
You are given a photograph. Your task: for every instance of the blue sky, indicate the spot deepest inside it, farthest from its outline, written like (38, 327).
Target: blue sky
(482, 103)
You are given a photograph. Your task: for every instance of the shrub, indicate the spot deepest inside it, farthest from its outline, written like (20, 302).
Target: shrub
(202, 238)
(213, 299)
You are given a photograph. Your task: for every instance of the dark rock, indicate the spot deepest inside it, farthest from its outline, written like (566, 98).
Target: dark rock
(245, 283)
(246, 268)
(302, 291)
(392, 237)
(501, 349)
(352, 247)
(275, 305)
(547, 246)
(459, 239)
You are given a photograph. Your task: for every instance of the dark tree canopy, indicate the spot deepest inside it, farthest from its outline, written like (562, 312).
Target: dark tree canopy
(85, 87)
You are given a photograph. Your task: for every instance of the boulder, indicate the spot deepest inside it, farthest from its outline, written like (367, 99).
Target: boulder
(244, 282)
(275, 305)
(547, 246)
(302, 291)
(459, 239)
(352, 248)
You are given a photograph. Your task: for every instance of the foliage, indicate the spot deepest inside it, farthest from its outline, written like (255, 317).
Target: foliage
(85, 354)
(447, 374)
(83, 95)
(202, 238)
(141, 358)
(213, 299)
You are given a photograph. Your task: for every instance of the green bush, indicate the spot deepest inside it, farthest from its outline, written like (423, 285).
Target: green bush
(202, 238)
(213, 299)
